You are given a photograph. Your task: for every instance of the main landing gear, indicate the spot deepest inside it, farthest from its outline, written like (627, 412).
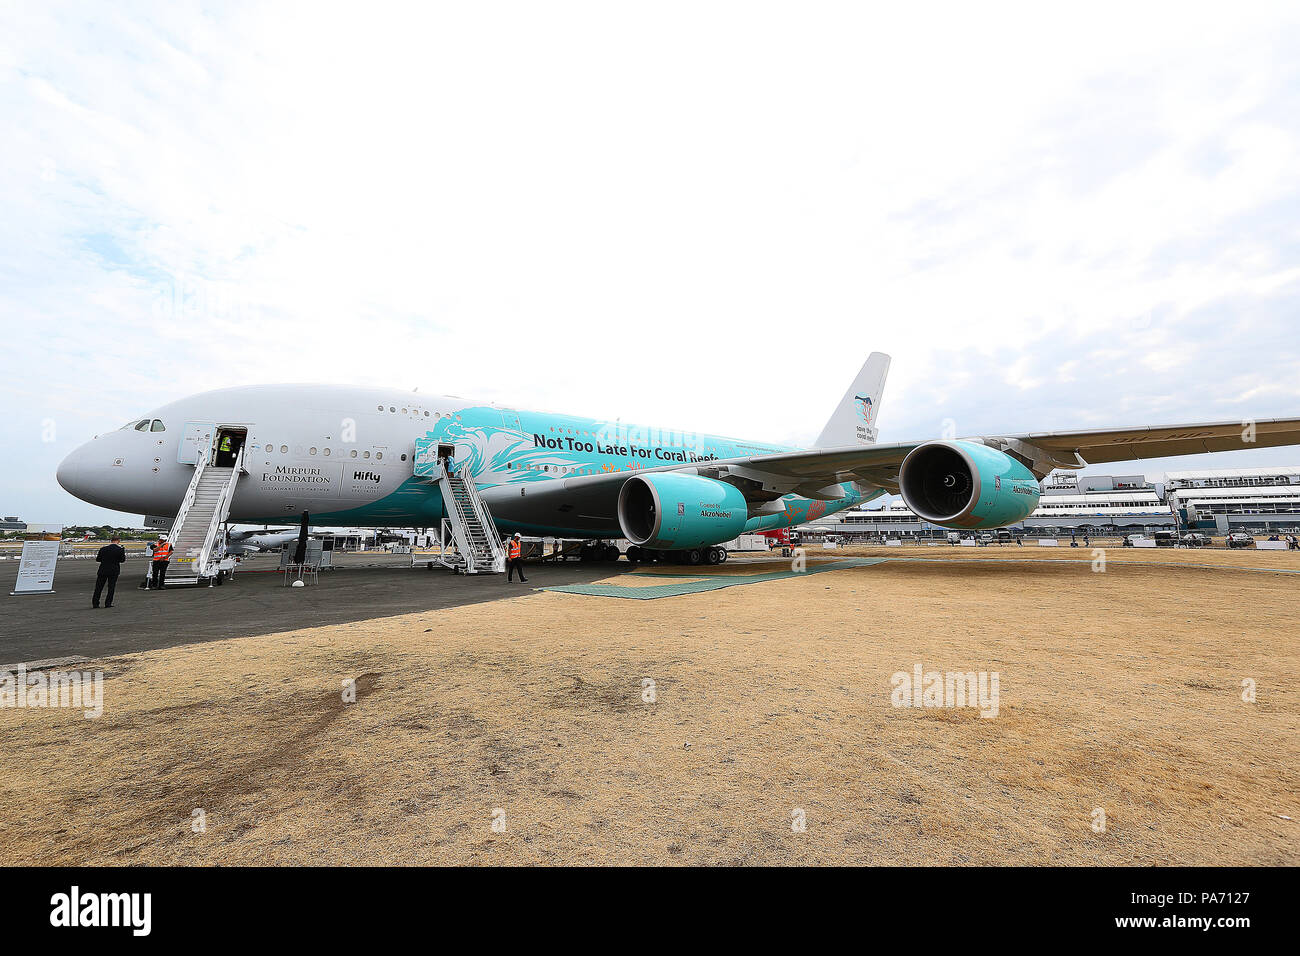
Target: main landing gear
(639, 555)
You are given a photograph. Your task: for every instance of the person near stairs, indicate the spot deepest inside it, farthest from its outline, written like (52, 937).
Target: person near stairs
(110, 558)
(225, 452)
(513, 560)
(162, 554)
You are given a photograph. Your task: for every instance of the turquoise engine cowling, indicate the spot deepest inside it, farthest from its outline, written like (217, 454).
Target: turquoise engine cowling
(670, 511)
(963, 484)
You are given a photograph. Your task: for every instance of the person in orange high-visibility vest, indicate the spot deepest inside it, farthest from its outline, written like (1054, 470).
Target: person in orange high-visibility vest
(162, 553)
(513, 561)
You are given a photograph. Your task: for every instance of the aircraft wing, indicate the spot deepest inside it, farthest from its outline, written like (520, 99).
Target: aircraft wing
(589, 502)
(1166, 441)
(1042, 451)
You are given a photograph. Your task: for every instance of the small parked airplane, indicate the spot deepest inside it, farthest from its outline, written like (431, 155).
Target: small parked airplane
(245, 542)
(347, 456)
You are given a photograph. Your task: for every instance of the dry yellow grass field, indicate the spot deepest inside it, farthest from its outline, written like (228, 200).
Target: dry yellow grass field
(1120, 691)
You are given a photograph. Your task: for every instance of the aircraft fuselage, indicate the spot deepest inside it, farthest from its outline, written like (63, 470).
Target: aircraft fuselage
(346, 455)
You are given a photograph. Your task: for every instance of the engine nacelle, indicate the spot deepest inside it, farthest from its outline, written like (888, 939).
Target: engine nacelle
(669, 511)
(963, 484)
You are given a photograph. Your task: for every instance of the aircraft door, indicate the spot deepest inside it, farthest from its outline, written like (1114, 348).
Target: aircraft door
(510, 419)
(226, 449)
(196, 440)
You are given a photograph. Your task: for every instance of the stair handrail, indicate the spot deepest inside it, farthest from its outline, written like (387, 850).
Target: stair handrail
(489, 526)
(458, 527)
(187, 502)
(221, 507)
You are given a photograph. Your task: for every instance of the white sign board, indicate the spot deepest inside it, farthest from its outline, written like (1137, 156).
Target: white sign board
(1271, 545)
(968, 542)
(40, 556)
(893, 543)
(1047, 542)
(1145, 543)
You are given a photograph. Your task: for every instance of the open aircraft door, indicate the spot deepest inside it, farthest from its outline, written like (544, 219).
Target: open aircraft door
(196, 442)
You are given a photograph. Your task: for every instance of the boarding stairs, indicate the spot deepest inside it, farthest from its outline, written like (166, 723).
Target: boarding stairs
(468, 524)
(196, 537)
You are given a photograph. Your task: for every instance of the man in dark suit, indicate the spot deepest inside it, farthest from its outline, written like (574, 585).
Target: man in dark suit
(110, 558)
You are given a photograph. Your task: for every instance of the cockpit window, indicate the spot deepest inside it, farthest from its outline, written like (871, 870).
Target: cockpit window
(142, 425)
(157, 426)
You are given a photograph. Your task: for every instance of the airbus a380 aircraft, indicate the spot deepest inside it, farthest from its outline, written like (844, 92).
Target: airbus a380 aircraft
(346, 455)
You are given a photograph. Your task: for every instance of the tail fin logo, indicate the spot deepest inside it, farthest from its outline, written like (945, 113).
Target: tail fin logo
(865, 408)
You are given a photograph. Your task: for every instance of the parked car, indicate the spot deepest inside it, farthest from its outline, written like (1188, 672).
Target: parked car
(1193, 539)
(1239, 539)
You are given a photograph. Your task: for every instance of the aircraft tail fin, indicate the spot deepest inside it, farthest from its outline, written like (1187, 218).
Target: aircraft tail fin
(854, 419)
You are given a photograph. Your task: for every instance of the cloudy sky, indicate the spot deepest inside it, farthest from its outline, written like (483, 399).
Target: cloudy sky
(697, 215)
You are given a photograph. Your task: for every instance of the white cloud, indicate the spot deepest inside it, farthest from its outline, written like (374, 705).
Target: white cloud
(612, 210)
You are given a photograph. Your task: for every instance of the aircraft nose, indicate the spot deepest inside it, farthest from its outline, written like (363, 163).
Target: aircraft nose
(69, 473)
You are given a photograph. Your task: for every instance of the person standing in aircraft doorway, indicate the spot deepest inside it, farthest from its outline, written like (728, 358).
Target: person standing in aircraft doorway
(513, 560)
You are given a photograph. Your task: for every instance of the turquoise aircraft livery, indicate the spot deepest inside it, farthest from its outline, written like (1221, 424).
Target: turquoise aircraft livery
(373, 457)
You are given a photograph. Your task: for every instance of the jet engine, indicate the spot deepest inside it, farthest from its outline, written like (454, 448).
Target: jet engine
(963, 484)
(670, 511)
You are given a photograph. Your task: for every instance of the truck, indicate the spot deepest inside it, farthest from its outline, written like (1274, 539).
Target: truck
(747, 542)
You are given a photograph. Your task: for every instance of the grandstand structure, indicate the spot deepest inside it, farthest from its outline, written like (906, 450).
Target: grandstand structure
(1263, 500)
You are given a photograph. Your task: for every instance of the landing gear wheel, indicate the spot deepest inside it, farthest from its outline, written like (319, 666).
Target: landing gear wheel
(611, 552)
(633, 554)
(723, 554)
(692, 555)
(710, 555)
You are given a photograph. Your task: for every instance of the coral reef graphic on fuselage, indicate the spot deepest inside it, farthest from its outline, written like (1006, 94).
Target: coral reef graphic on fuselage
(502, 446)
(496, 453)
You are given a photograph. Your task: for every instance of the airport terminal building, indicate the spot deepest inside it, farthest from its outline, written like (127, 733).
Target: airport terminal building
(1255, 500)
